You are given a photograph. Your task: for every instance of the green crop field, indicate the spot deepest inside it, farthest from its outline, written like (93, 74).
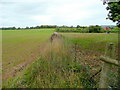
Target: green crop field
(31, 61)
(20, 46)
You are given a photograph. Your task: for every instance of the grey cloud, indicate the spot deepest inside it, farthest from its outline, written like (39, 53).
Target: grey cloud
(22, 13)
(16, 13)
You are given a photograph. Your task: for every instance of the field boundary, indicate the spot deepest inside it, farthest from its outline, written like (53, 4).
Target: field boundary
(106, 67)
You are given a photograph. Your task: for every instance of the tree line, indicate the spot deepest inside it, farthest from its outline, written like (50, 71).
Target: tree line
(64, 28)
(90, 29)
(42, 26)
(35, 27)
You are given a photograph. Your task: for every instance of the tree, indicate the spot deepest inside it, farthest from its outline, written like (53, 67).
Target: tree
(114, 15)
(78, 26)
(19, 28)
(27, 28)
(94, 29)
(114, 11)
(13, 28)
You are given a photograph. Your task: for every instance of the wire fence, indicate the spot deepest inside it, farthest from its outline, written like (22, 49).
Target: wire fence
(98, 74)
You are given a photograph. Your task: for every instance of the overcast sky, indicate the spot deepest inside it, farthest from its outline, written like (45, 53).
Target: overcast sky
(22, 13)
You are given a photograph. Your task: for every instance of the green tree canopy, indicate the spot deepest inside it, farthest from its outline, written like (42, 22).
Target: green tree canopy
(114, 11)
(95, 29)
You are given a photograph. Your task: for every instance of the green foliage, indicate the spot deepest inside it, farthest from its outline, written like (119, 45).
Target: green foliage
(95, 29)
(116, 28)
(8, 28)
(114, 11)
(80, 30)
(91, 29)
(78, 26)
(35, 27)
(48, 26)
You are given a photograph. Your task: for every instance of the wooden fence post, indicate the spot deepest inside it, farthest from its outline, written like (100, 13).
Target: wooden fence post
(75, 56)
(110, 51)
(119, 64)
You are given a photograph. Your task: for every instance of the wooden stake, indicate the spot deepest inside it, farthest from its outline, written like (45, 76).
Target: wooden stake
(106, 67)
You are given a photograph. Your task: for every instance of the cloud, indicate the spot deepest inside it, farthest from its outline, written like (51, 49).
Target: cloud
(60, 12)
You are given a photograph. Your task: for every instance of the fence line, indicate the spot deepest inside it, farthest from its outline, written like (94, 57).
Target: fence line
(107, 59)
(106, 67)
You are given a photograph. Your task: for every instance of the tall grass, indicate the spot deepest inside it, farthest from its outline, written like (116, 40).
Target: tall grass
(54, 69)
(92, 41)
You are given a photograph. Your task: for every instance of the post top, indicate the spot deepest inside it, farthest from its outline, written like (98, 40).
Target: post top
(111, 43)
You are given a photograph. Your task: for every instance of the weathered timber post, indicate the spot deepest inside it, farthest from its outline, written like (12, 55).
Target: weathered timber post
(110, 50)
(119, 64)
(75, 56)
